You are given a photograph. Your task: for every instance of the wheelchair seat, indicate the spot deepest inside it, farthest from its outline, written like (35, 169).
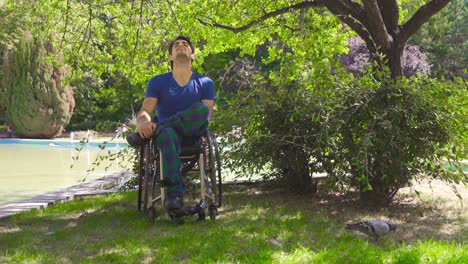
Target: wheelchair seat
(189, 144)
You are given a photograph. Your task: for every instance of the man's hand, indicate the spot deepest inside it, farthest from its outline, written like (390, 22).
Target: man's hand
(146, 129)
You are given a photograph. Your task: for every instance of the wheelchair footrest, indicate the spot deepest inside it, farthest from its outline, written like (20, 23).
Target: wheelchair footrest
(135, 140)
(177, 214)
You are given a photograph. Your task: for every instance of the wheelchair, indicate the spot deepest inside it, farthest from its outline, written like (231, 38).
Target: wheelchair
(199, 157)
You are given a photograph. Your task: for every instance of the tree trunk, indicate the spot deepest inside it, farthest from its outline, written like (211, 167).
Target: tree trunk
(378, 197)
(296, 172)
(394, 59)
(300, 183)
(374, 199)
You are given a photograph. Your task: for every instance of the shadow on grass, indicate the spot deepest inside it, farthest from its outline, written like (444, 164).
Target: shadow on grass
(256, 224)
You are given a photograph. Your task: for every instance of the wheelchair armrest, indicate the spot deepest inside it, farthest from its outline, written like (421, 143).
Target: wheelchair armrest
(135, 140)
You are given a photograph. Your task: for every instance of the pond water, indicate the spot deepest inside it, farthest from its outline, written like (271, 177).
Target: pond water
(32, 167)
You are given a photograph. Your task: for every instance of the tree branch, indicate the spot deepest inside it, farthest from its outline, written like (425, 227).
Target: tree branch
(137, 37)
(420, 17)
(378, 28)
(66, 24)
(390, 14)
(347, 7)
(275, 13)
(352, 14)
(175, 15)
(87, 30)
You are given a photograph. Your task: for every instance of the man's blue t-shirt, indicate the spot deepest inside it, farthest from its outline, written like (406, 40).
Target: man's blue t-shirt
(172, 98)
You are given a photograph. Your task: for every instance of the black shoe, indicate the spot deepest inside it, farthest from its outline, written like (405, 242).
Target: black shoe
(135, 140)
(172, 203)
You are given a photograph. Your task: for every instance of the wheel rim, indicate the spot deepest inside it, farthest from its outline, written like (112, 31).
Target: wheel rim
(218, 167)
(140, 175)
(213, 211)
(147, 174)
(212, 169)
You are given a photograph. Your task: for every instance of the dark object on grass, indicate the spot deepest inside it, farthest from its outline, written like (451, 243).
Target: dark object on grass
(373, 228)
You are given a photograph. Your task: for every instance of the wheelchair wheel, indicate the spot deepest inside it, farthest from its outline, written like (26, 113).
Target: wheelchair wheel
(218, 171)
(214, 170)
(152, 214)
(201, 215)
(148, 172)
(140, 175)
(213, 211)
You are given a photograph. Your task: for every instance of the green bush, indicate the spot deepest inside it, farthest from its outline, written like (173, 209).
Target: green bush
(280, 130)
(107, 126)
(11, 30)
(373, 134)
(390, 132)
(40, 103)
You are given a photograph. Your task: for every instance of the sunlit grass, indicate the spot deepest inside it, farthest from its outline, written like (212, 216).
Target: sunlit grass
(268, 227)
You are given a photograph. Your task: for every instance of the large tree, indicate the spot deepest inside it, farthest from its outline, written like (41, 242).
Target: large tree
(377, 22)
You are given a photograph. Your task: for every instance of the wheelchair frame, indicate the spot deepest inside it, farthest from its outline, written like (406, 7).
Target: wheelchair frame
(150, 177)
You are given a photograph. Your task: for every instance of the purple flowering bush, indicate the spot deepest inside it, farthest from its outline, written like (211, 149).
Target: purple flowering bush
(357, 60)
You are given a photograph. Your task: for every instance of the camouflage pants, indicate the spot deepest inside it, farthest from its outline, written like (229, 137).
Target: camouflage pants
(192, 122)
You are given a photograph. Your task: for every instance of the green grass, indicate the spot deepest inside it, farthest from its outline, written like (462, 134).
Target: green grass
(254, 226)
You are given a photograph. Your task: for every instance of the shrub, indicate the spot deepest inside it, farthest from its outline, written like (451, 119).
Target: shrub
(107, 126)
(391, 131)
(11, 29)
(373, 134)
(39, 103)
(280, 130)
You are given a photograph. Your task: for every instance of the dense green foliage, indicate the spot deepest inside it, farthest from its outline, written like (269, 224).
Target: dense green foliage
(118, 46)
(389, 133)
(11, 31)
(444, 38)
(371, 133)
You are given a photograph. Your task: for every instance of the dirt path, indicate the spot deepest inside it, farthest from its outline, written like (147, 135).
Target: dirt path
(436, 213)
(440, 211)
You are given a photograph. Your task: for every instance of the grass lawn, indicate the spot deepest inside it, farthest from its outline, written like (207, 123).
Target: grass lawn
(255, 225)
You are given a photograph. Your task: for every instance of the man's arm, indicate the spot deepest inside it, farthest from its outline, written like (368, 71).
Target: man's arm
(210, 104)
(146, 128)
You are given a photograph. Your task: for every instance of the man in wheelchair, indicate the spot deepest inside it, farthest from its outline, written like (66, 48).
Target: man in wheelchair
(184, 101)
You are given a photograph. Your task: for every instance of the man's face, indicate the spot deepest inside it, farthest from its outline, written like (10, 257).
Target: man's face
(181, 49)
